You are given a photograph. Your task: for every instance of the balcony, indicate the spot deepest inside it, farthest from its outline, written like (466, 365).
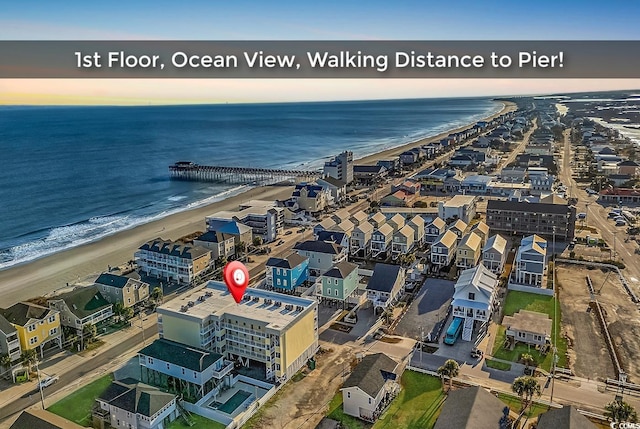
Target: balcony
(226, 369)
(237, 328)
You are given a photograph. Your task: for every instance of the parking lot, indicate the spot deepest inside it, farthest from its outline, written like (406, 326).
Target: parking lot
(427, 309)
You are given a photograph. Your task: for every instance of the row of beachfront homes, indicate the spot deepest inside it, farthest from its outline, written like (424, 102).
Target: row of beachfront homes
(29, 326)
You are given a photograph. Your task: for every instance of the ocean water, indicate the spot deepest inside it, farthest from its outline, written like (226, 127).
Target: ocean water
(71, 175)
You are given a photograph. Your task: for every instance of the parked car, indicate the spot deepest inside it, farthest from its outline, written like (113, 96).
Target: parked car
(280, 242)
(288, 232)
(476, 353)
(48, 381)
(621, 222)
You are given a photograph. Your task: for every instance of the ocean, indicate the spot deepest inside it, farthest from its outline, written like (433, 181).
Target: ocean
(71, 175)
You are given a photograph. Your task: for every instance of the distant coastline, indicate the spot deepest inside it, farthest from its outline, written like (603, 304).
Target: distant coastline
(92, 216)
(44, 275)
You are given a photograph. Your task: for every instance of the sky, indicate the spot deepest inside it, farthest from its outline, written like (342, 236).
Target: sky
(295, 20)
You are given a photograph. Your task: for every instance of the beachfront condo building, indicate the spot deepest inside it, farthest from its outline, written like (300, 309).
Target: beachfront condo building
(340, 167)
(263, 217)
(172, 261)
(37, 327)
(275, 332)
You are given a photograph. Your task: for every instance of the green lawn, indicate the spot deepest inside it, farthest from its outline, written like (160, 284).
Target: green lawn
(497, 365)
(77, 406)
(200, 423)
(418, 404)
(514, 403)
(516, 301)
(348, 422)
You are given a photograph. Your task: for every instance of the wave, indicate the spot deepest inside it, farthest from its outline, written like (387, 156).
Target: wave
(66, 237)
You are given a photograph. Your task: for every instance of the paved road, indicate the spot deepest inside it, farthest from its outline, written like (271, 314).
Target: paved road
(71, 376)
(597, 216)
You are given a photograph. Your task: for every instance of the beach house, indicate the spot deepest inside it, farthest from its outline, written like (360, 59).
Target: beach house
(340, 238)
(482, 229)
(459, 228)
(435, 229)
(417, 224)
(121, 289)
(377, 219)
(371, 387)
(396, 222)
(531, 261)
(288, 273)
(360, 244)
(128, 404)
(381, 240)
(474, 298)
(473, 407)
(327, 224)
(494, 253)
(528, 327)
(369, 174)
(403, 241)
(469, 251)
(82, 306)
(337, 188)
(42, 419)
(443, 250)
(221, 245)
(339, 283)
(385, 285)
(172, 261)
(311, 198)
(322, 256)
(567, 417)
(229, 228)
(9, 341)
(37, 327)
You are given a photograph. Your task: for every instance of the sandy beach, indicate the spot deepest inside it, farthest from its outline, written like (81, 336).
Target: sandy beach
(53, 272)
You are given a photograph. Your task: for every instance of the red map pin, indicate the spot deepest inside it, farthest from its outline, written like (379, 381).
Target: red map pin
(236, 276)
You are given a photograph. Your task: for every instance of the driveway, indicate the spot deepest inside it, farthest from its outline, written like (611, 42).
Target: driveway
(427, 309)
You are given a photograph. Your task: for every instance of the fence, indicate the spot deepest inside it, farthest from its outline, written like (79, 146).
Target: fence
(632, 295)
(530, 289)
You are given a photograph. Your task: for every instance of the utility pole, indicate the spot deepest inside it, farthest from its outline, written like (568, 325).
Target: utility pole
(142, 328)
(40, 384)
(555, 326)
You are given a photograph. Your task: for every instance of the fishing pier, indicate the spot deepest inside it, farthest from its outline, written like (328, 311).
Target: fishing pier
(193, 172)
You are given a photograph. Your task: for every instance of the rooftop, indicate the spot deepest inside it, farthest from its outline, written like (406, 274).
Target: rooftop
(5, 326)
(227, 226)
(116, 281)
(447, 238)
(460, 200)
(520, 206)
(188, 357)
(471, 408)
(567, 417)
(471, 240)
(22, 312)
(258, 304)
(496, 242)
(142, 399)
(385, 229)
(333, 236)
(438, 223)
(167, 247)
(341, 270)
(459, 225)
(83, 301)
(43, 419)
(384, 277)
(319, 247)
(528, 321)
(290, 261)
(371, 374)
(333, 181)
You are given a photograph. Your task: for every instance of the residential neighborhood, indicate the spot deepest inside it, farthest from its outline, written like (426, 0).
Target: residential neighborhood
(490, 273)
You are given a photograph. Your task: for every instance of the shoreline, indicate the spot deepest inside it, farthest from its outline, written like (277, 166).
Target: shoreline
(52, 272)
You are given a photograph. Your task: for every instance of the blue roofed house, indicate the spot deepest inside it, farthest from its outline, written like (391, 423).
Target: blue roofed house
(287, 273)
(385, 285)
(341, 238)
(339, 283)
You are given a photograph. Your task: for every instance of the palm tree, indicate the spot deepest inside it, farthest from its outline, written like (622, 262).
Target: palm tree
(5, 360)
(528, 361)
(620, 411)
(240, 248)
(89, 332)
(450, 369)
(157, 295)
(257, 241)
(28, 358)
(525, 387)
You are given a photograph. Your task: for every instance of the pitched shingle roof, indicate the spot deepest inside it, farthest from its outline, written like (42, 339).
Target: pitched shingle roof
(384, 277)
(180, 354)
(291, 261)
(84, 301)
(136, 398)
(496, 242)
(371, 374)
(566, 417)
(341, 270)
(181, 250)
(526, 207)
(21, 312)
(471, 408)
(42, 419)
(319, 247)
(5, 326)
(333, 236)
